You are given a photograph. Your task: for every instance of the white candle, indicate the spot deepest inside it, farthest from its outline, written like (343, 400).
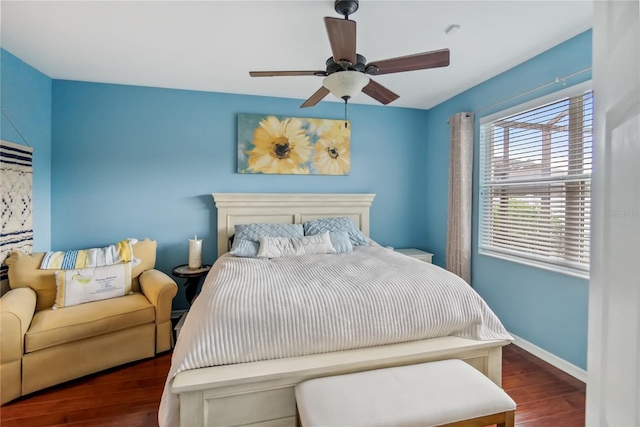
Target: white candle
(195, 253)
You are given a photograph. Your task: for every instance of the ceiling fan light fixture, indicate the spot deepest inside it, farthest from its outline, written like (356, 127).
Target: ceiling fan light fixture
(345, 83)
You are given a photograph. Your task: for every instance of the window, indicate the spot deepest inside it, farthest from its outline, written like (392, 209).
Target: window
(535, 182)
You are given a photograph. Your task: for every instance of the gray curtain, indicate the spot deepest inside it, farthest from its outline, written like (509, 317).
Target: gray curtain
(460, 189)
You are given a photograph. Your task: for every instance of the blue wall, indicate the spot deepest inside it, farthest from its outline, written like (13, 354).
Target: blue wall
(545, 308)
(134, 161)
(114, 161)
(26, 99)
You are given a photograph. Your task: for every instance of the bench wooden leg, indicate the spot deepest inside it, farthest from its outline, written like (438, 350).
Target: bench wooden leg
(509, 419)
(502, 419)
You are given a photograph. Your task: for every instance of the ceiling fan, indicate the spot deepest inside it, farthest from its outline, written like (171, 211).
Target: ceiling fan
(348, 72)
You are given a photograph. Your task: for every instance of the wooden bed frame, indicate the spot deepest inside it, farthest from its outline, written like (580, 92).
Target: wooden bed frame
(262, 393)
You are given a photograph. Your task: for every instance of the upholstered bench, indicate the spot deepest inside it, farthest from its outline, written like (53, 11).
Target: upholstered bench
(443, 393)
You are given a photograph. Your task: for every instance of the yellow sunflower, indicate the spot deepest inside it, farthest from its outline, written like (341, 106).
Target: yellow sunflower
(281, 147)
(332, 154)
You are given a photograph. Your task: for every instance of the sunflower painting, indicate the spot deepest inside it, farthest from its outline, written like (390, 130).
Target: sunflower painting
(291, 145)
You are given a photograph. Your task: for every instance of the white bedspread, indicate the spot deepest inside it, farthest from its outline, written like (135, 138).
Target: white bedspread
(257, 309)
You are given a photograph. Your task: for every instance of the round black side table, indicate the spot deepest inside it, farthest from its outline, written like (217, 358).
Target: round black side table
(193, 278)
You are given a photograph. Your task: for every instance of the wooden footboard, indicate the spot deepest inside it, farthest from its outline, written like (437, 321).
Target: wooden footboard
(262, 393)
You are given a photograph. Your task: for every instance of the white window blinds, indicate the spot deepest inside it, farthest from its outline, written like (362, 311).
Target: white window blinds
(535, 185)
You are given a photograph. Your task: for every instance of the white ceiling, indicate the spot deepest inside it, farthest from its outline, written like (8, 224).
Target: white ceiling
(212, 45)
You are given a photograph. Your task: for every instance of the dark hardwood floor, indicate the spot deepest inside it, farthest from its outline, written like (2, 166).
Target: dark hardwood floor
(124, 396)
(130, 395)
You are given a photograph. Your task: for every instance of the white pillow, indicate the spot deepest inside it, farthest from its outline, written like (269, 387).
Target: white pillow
(92, 284)
(274, 247)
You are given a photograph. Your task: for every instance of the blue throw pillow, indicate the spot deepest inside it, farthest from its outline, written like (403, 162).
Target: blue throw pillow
(346, 224)
(246, 243)
(244, 248)
(340, 241)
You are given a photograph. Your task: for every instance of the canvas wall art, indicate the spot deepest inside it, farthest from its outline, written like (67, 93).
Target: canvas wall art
(293, 145)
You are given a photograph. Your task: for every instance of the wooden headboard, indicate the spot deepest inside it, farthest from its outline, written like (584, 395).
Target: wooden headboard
(245, 208)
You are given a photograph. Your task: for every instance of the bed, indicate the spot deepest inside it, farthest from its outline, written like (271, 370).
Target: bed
(260, 392)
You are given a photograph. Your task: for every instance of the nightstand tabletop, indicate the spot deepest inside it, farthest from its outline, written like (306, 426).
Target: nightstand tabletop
(184, 271)
(413, 252)
(417, 254)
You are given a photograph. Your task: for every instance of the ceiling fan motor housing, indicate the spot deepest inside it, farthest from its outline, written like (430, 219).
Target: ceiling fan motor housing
(334, 67)
(346, 7)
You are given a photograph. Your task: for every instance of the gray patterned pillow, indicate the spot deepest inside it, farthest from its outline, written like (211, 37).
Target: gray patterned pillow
(318, 226)
(245, 241)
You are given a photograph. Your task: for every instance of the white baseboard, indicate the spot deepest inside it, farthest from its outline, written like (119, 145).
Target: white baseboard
(550, 358)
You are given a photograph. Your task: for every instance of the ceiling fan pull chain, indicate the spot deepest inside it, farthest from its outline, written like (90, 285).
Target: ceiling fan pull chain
(345, 112)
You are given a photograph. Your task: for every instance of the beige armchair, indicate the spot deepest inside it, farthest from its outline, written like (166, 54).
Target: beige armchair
(41, 347)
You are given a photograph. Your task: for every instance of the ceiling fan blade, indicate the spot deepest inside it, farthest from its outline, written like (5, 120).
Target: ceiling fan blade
(342, 37)
(419, 61)
(286, 73)
(379, 92)
(316, 97)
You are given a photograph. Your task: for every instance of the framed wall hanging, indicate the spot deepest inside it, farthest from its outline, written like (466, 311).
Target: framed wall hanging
(293, 145)
(16, 182)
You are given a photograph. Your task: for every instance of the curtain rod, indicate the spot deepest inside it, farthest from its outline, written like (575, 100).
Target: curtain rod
(557, 80)
(14, 126)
